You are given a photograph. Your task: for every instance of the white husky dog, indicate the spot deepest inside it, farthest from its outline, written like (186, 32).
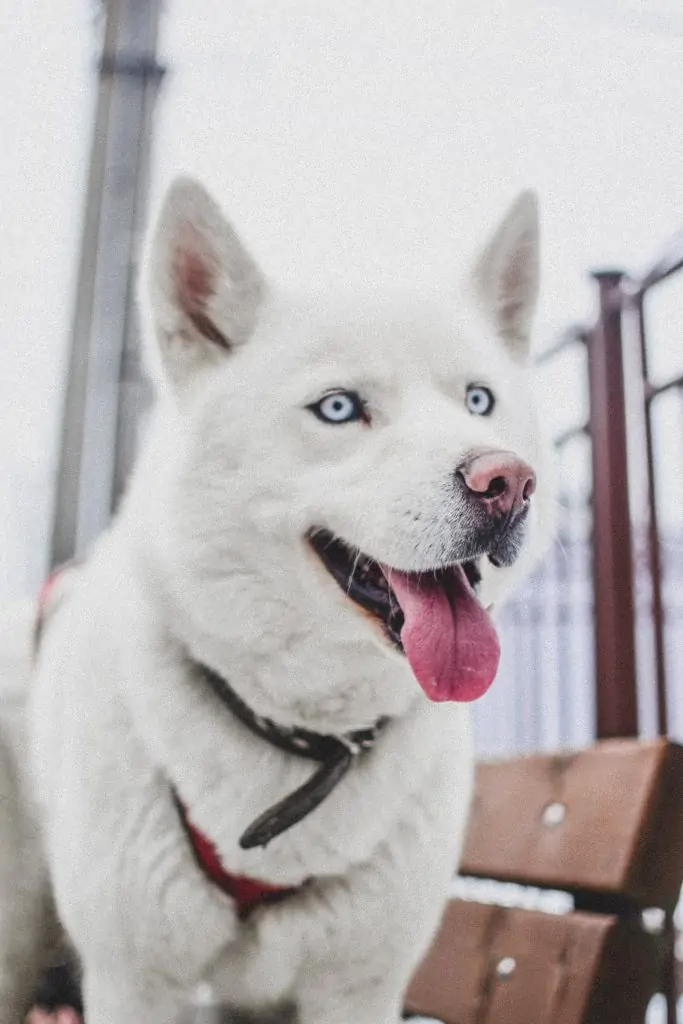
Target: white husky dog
(241, 753)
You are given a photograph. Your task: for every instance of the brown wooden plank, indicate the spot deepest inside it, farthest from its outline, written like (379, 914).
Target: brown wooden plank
(656, 871)
(573, 969)
(622, 830)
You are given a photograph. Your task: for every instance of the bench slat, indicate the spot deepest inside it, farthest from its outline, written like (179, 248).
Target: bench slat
(622, 829)
(572, 969)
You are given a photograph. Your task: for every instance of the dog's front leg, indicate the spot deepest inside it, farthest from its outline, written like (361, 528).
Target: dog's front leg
(374, 931)
(344, 949)
(143, 917)
(152, 966)
(111, 995)
(361, 1001)
(371, 942)
(352, 942)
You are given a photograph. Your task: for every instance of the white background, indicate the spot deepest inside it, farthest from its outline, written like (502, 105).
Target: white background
(353, 139)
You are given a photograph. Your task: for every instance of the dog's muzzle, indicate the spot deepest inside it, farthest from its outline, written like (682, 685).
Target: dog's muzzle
(496, 488)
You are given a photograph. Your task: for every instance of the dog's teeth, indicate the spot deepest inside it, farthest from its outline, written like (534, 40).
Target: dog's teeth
(489, 608)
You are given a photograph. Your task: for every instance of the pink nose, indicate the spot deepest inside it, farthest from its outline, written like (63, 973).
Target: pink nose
(500, 481)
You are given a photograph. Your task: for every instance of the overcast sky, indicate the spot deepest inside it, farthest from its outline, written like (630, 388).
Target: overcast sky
(346, 140)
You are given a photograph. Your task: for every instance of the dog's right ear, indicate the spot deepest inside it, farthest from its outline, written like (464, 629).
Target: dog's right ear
(506, 275)
(205, 289)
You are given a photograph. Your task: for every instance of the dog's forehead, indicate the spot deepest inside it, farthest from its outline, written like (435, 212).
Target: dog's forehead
(386, 337)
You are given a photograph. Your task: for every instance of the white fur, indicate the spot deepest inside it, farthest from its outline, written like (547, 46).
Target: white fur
(208, 556)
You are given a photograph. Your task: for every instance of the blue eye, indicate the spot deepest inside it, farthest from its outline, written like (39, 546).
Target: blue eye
(479, 400)
(339, 407)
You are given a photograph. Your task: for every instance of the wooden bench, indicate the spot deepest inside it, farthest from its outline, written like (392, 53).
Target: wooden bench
(604, 825)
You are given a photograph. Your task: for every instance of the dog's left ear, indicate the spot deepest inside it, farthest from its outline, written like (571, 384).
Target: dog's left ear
(205, 289)
(506, 276)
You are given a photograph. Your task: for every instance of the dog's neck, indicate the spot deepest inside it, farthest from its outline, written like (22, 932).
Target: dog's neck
(316, 677)
(363, 684)
(334, 755)
(352, 705)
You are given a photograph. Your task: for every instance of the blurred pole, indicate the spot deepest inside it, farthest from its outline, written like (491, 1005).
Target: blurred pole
(653, 532)
(104, 384)
(615, 663)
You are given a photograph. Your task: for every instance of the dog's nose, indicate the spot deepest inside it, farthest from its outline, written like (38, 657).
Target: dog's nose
(500, 481)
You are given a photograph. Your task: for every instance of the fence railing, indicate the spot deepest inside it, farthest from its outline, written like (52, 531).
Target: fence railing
(633, 296)
(592, 639)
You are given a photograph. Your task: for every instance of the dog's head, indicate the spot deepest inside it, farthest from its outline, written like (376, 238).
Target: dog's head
(334, 474)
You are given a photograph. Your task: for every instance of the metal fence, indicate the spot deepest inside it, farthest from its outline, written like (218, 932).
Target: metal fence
(592, 645)
(593, 642)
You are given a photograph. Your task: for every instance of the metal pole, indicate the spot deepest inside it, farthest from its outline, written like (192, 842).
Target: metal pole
(103, 332)
(616, 692)
(654, 546)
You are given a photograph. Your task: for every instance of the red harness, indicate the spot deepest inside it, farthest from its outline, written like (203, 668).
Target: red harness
(248, 893)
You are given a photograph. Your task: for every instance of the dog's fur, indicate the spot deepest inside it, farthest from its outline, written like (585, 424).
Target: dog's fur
(208, 556)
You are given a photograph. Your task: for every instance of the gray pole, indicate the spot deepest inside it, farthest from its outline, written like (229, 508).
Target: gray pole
(105, 391)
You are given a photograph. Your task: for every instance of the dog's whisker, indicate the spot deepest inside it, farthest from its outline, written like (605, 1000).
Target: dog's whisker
(353, 569)
(392, 604)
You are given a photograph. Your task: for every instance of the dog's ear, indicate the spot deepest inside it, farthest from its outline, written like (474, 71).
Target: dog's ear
(205, 289)
(506, 275)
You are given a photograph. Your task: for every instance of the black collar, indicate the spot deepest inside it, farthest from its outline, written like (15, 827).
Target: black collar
(335, 754)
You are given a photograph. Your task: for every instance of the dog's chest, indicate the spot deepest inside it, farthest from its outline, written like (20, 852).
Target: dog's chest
(344, 829)
(145, 710)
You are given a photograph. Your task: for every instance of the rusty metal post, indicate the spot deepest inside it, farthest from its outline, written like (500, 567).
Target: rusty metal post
(615, 662)
(654, 547)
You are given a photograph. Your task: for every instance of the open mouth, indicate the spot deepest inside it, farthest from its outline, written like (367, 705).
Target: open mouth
(434, 617)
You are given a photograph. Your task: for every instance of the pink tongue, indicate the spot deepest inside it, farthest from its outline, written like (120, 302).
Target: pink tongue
(448, 638)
